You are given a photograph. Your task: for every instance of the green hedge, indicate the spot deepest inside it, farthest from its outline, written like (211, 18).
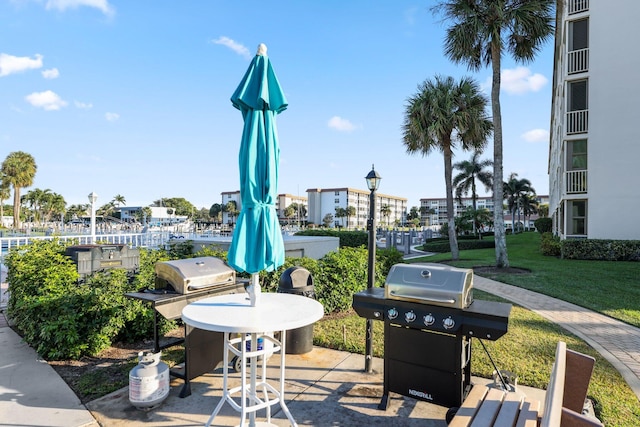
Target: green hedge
(64, 319)
(61, 318)
(543, 225)
(550, 245)
(351, 239)
(442, 246)
(600, 249)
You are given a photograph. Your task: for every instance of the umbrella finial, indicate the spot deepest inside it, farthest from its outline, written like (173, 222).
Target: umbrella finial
(262, 49)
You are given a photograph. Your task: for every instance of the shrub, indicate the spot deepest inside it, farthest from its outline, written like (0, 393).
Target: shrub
(549, 244)
(442, 246)
(59, 317)
(342, 274)
(600, 249)
(543, 225)
(350, 239)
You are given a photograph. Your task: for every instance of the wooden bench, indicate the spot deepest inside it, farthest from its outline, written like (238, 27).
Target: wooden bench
(563, 404)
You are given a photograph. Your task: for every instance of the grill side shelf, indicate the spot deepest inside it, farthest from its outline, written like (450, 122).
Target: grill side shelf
(370, 304)
(486, 319)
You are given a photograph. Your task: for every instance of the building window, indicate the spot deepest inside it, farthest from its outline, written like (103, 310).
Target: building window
(578, 46)
(577, 154)
(577, 107)
(576, 169)
(337, 201)
(577, 221)
(337, 193)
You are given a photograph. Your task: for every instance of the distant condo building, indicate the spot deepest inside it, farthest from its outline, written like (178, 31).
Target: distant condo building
(433, 212)
(594, 150)
(390, 210)
(282, 203)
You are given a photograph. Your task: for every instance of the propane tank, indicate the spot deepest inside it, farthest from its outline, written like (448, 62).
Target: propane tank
(148, 381)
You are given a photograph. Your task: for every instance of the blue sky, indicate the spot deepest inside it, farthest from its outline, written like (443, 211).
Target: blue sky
(132, 97)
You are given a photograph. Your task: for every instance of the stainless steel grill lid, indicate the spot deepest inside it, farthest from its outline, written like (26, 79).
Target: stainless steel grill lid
(193, 274)
(434, 284)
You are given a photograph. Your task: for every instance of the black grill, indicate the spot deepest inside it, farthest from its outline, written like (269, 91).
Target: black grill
(427, 353)
(92, 258)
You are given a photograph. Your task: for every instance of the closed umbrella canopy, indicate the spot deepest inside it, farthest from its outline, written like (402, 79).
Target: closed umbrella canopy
(257, 239)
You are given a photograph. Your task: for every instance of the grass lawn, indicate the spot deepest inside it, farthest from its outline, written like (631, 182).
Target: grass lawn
(528, 349)
(611, 288)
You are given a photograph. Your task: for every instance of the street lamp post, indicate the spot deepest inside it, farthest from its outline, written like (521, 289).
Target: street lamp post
(373, 182)
(93, 197)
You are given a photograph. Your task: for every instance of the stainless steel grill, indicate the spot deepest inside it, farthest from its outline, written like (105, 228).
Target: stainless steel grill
(430, 318)
(433, 284)
(193, 274)
(181, 282)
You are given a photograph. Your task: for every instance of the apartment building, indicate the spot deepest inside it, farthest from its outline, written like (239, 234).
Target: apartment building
(286, 200)
(593, 149)
(323, 201)
(282, 202)
(433, 212)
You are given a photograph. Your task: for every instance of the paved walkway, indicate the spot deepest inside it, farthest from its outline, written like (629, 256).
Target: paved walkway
(616, 341)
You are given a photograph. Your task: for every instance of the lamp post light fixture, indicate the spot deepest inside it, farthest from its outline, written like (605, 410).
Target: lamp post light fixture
(373, 182)
(93, 197)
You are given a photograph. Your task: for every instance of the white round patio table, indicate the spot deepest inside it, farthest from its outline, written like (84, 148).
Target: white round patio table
(232, 315)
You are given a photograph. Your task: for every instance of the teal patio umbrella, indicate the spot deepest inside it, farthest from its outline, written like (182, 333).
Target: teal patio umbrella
(257, 239)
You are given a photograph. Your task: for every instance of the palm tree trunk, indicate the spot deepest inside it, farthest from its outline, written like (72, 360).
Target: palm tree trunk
(502, 260)
(448, 176)
(16, 207)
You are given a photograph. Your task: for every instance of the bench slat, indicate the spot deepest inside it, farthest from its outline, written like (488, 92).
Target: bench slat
(553, 399)
(489, 408)
(577, 378)
(469, 407)
(509, 410)
(528, 413)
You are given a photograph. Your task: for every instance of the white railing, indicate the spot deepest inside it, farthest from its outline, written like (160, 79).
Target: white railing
(577, 6)
(576, 181)
(578, 61)
(139, 240)
(577, 121)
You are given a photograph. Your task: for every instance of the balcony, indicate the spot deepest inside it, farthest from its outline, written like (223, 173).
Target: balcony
(575, 181)
(577, 121)
(578, 61)
(577, 6)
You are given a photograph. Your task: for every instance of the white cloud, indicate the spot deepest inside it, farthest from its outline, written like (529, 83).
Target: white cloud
(521, 80)
(112, 117)
(51, 73)
(83, 105)
(10, 64)
(536, 135)
(340, 124)
(62, 5)
(47, 100)
(234, 46)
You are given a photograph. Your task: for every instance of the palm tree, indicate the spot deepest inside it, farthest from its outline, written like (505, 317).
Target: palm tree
(515, 190)
(529, 205)
(350, 211)
(482, 32)
(385, 211)
(443, 114)
(119, 200)
(465, 182)
(341, 213)
(5, 193)
(19, 169)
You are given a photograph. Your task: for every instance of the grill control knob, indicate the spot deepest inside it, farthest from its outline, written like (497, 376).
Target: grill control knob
(410, 316)
(448, 323)
(393, 313)
(429, 319)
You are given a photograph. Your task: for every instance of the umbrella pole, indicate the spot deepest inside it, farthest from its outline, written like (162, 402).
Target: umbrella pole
(254, 289)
